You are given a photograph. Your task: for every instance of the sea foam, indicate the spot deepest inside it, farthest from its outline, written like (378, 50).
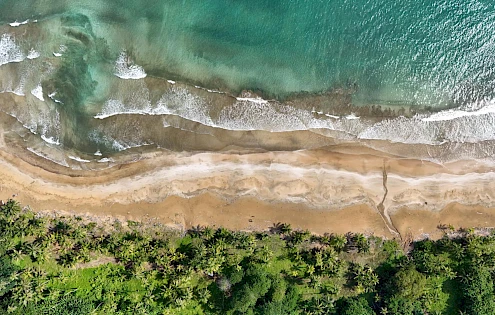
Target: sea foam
(38, 92)
(484, 109)
(33, 54)
(125, 69)
(16, 24)
(253, 113)
(45, 156)
(78, 159)
(9, 51)
(52, 96)
(50, 140)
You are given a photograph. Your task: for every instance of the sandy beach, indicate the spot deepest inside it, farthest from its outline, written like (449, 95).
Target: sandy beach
(343, 188)
(229, 133)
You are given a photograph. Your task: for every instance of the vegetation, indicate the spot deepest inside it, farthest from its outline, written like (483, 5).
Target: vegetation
(57, 265)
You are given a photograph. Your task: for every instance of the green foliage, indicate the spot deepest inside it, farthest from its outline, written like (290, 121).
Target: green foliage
(356, 306)
(478, 290)
(409, 284)
(402, 306)
(65, 306)
(8, 278)
(69, 266)
(255, 286)
(365, 278)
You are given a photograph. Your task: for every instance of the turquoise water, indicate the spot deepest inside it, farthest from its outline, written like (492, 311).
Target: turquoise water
(417, 52)
(432, 54)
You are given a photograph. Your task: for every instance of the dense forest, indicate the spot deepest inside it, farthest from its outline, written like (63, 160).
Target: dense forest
(70, 265)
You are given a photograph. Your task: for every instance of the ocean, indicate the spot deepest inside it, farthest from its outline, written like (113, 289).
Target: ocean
(102, 77)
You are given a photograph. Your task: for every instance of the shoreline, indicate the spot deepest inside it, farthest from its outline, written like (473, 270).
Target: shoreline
(320, 190)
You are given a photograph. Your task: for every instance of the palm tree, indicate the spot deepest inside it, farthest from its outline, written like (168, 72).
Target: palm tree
(316, 281)
(361, 242)
(223, 233)
(62, 227)
(325, 239)
(196, 231)
(275, 228)
(53, 294)
(263, 254)
(68, 260)
(297, 237)
(320, 306)
(338, 242)
(281, 228)
(36, 251)
(207, 233)
(310, 270)
(16, 255)
(285, 229)
(319, 259)
(23, 294)
(127, 251)
(204, 295)
(365, 277)
(10, 210)
(37, 227)
(79, 234)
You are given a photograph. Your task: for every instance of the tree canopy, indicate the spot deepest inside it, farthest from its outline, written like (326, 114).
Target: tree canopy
(72, 265)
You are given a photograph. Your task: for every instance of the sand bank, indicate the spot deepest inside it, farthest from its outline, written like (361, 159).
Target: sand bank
(345, 188)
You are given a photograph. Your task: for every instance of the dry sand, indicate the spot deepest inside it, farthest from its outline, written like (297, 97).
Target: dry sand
(345, 188)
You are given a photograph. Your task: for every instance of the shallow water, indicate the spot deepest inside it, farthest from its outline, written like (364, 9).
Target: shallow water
(113, 75)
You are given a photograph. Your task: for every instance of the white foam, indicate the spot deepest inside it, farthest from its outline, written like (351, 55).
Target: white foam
(176, 101)
(257, 100)
(63, 163)
(313, 111)
(16, 92)
(16, 24)
(52, 96)
(180, 102)
(78, 159)
(332, 116)
(125, 69)
(98, 153)
(31, 128)
(115, 107)
(105, 160)
(215, 91)
(50, 140)
(351, 117)
(488, 108)
(9, 51)
(33, 54)
(250, 113)
(403, 130)
(61, 50)
(125, 146)
(246, 114)
(38, 92)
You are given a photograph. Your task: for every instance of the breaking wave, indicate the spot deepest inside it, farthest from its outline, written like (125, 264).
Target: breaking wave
(125, 69)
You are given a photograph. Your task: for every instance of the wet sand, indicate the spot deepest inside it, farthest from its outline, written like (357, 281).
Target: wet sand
(343, 188)
(314, 160)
